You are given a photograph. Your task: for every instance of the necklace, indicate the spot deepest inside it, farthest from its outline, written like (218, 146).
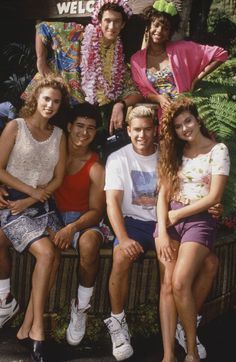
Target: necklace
(102, 69)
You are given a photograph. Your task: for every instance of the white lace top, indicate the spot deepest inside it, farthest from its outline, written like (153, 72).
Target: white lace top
(195, 173)
(32, 161)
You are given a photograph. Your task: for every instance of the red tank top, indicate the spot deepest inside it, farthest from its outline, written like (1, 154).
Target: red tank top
(73, 194)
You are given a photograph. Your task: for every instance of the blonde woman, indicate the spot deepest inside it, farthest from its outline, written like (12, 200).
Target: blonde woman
(32, 163)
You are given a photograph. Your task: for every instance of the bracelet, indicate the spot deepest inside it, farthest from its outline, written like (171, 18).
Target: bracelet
(124, 104)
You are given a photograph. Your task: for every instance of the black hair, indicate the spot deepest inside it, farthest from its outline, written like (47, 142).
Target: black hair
(85, 110)
(150, 15)
(113, 7)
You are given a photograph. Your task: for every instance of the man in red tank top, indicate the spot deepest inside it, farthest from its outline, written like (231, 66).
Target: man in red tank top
(81, 202)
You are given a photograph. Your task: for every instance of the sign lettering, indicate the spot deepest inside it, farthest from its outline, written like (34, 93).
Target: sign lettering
(75, 7)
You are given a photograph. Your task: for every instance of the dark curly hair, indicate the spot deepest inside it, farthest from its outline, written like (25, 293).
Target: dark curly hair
(86, 110)
(150, 15)
(113, 7)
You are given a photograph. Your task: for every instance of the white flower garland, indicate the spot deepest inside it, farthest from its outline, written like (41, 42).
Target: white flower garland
(92, 67)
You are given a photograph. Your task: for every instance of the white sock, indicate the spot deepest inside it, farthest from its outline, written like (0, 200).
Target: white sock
(119, 316)
(4, 288)
(84, 296)
(199, 318)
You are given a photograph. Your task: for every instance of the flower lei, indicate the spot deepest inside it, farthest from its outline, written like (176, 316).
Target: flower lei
(92, 73)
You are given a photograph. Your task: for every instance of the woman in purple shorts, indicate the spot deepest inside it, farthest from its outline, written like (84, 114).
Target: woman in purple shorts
(193, 170)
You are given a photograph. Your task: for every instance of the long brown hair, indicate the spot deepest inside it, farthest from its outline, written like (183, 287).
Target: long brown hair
(171, 147)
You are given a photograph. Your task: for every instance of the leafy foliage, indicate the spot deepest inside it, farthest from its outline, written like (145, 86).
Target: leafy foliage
(216, 101)
(21, 61)
(222, 29)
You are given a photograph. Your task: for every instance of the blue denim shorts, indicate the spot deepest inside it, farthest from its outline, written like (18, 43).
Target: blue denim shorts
(140, 231)
(70, 216)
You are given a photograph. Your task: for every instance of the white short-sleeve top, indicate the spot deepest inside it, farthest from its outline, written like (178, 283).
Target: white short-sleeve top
(195, 173)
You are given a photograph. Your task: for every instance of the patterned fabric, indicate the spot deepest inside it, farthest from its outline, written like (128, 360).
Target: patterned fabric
(64, 39)
(31, 161)
(163, 81)
(30, 225)
(195, 174)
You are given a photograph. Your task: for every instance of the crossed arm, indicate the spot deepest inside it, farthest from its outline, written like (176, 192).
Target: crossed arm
(165, 217)
(42, 193)
(93, 216)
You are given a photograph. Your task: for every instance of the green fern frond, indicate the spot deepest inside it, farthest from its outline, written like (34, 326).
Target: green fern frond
(215, 99)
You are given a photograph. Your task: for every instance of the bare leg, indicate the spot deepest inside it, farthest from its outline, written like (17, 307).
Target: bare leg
(44, 252)
(28, 319)
(204, 280)
(168, 312)
(190, 259)
(89, 246)
(119, 280)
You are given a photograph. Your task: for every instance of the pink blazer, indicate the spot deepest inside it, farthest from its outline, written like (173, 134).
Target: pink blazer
(187, 60)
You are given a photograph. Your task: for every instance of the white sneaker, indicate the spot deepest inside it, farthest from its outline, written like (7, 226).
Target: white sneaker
(76, 329)
(120, 337)
(180, 336)
(8, 308)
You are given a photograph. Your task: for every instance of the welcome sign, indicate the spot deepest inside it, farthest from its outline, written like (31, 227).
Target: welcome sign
(75, 7)
(49, 9)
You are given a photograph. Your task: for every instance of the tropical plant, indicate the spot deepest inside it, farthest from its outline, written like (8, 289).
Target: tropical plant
(216, 101)
(21, 60)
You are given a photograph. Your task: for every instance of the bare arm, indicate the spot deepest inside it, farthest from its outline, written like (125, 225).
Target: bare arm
(161, 99)
(117, 116)
(7, 141)
(95, 213)
(130, 247)
(218, 183)
(164, 246)
(41, 53)
(3, 197)
(208, 69)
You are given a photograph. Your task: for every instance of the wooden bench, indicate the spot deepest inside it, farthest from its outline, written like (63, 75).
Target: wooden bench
(144, 282)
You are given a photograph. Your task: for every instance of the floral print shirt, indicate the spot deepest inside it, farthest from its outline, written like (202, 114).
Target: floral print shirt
(63, 41)
(195, 173)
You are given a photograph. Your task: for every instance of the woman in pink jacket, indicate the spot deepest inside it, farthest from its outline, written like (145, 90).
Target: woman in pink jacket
(166, 68)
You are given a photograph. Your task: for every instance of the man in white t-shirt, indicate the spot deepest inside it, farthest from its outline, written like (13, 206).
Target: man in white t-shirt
(131, 190)
(131, 195)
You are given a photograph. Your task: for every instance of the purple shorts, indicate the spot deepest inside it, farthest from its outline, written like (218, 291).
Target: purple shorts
(200, 228)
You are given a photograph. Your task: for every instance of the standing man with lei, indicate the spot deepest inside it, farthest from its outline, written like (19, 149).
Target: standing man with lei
(90, 59)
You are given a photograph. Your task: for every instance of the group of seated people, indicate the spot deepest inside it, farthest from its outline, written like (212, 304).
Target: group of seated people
(55, 189)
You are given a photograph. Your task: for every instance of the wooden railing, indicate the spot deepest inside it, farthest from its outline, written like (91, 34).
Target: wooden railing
(144, 282)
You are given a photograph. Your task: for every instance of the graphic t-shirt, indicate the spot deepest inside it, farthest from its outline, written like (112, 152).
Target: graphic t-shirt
(136, 176)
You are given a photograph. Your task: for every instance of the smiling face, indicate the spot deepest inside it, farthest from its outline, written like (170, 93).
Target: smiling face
(82, 131)
(48, 102)
(159, 32)
(142, 132)
(187, 127)
(111, 25)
